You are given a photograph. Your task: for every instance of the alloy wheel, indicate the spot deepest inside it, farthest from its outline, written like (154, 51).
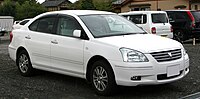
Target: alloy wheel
(179, 36)
(100, 78)
(23, 63)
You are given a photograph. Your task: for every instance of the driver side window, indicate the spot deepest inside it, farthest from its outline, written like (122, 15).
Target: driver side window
(66, 26)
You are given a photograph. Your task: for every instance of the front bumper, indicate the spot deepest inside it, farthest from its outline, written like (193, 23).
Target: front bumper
(151, 72)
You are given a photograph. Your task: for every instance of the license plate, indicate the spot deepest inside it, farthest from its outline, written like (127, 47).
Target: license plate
(173, 70)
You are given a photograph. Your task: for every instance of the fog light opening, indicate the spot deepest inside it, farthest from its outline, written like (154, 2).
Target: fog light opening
(186, 69)
(136, 78)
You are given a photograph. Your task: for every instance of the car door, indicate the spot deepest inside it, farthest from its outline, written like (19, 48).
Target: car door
(66, 50)
(38, 40)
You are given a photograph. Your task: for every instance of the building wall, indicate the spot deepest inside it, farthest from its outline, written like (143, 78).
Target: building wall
(162, 4)
(195, 6)
(53, 8)
(170, 4)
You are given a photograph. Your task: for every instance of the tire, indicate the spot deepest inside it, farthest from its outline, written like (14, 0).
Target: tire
(102, 78)
(24, 64)
(179, 36)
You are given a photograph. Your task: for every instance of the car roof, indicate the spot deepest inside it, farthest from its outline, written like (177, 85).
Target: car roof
(80, 12)
(180, 10)
(72, 13)
(141, 12)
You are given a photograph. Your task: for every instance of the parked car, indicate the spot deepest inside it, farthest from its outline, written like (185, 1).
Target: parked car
(2, 31)
(102, 47)
(153, 22)
(186, 24)
(20, 23)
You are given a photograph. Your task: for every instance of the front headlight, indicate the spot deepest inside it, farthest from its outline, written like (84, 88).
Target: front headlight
(130, 55)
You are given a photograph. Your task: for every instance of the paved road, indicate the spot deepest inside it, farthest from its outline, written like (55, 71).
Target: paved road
(55, 86)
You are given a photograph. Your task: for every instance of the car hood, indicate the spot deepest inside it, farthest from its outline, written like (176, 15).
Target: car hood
(145, 43)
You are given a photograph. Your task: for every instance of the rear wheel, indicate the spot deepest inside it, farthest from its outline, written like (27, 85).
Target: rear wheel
(24, 64)
(102, 78)
(179, 36)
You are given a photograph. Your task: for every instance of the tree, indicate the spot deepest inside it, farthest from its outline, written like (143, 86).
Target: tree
(105, 5)
(87, 5)
(76, 5)
(29, 9)
(22, 1)
(8, 8)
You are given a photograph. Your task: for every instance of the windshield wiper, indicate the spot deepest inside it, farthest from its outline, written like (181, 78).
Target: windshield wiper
(120, 34)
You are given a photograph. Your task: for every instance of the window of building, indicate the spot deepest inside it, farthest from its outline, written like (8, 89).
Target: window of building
(140, 9)
(196, 7)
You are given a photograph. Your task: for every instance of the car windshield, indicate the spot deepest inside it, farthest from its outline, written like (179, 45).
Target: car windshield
(196, 15)
(109, 25)
(159, 18)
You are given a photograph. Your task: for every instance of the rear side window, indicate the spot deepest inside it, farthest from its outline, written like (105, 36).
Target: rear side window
(159, 18)
(178, 16)
(181, 15)
(171, 16)
(138, 19)
(34, 25)
(44, 25)
(196, 15)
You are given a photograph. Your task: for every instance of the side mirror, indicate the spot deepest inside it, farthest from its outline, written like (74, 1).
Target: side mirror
(77, 33)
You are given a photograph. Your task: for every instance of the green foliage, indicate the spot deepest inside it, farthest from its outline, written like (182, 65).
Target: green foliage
(8, 8)
(76, 5)
(22, 10)
(103, 5)
(22, 1)
(87, 5)
(29, 9)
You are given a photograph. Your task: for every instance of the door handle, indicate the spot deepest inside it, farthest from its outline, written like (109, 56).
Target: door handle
(28, 37)
(54, 42)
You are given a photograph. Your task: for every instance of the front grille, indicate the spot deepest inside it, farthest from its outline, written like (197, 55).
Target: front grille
(169, 55)
(164, 76)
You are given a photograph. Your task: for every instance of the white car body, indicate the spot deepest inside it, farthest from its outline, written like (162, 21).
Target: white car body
(70, 56)
(162, 29)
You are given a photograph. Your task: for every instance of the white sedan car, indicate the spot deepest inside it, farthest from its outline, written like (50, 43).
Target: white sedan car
(102, 47)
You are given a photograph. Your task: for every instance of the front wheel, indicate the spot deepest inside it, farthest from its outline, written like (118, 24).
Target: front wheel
(102, 77)
(24, 64)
